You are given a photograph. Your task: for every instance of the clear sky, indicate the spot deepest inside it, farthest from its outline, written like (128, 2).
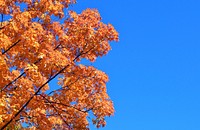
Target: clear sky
(155, 68)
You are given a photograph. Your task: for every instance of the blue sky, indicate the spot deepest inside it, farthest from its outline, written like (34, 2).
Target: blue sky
(155, 68)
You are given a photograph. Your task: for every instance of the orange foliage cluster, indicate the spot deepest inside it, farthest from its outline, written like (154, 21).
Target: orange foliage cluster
(35, 49)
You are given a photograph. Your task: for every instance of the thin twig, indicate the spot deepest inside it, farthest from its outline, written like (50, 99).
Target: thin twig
(59, 103)
(56, 110)
(11, 47)
(63, 87)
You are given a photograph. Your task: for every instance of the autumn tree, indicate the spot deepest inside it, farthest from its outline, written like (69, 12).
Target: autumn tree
(42, 40)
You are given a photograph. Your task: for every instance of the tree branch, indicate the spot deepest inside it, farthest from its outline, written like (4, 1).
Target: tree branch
(63, 87)
(36, 93)
(56, 110)
(22, 108)
(17, 78)
(21, 73)
(12, 81)
(11, 47)
(59, 103)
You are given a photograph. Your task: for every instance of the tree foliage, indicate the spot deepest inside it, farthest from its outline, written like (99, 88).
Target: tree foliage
(40, 42)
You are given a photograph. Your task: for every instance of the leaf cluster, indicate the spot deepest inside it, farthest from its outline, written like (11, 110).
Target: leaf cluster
(35, 49)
